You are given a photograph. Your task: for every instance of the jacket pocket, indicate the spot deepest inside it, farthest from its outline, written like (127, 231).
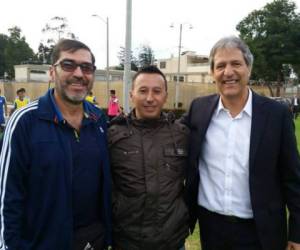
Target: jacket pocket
(174, 160)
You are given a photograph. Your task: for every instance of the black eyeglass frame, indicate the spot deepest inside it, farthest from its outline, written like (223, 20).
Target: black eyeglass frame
(86, 68)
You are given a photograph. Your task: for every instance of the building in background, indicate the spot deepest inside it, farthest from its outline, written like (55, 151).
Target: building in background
(32, 73)
(40, 73)
(193, 68)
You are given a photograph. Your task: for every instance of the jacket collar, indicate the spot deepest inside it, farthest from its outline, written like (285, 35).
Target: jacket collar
(164, 118)
(48, 110)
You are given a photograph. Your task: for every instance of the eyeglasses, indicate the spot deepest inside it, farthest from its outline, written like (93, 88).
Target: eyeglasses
(70, 66)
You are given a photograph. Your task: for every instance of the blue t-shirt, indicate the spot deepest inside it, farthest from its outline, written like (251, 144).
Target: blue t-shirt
(2, 103)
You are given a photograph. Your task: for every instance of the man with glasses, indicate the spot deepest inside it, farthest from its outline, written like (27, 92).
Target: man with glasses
(55, 180)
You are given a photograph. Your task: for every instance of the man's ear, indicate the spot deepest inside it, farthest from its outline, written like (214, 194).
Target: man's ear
(52, 73)
(250, 70)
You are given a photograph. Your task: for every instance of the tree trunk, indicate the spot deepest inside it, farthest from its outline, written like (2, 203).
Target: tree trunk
(270, 89)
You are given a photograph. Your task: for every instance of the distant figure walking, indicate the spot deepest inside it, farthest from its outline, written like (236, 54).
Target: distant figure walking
(113, 105)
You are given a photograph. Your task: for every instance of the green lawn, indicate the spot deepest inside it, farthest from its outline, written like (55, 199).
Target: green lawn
(297, 131)
(192, 242)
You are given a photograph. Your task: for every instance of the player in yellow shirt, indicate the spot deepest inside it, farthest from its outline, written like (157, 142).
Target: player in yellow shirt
(91, 98)
(21, 99)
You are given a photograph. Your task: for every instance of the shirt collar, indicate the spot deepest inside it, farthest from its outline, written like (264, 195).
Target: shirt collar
(58, 115)
(247, 108)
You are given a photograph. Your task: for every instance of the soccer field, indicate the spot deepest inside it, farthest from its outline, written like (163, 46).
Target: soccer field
(297, 131)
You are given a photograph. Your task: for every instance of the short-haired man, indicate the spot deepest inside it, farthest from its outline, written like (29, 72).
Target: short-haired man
(55, 178)
(244, 166)
(148, 160)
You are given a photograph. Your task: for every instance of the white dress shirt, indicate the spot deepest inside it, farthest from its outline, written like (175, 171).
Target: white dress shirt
(224, 163)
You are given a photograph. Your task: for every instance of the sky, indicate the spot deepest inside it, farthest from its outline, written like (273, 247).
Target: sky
(151, 20)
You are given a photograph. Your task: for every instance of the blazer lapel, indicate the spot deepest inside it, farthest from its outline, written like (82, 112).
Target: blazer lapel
(259, 118)
(201, 117)
(208, 110)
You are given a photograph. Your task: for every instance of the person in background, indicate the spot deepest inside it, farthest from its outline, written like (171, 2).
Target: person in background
(91, 98)
(295, 106)
(148, 151)
(55, 177)
(21, 99)
(244, 167)
(3, 110)
(113, 105)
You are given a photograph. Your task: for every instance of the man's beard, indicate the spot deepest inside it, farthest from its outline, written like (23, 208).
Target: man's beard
(75, 100)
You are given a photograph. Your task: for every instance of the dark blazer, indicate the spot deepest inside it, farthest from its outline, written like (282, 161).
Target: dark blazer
(274, 174)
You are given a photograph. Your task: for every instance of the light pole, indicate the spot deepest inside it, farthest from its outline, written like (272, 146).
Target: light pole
(178, 64)
(127, 63)
(107, 52)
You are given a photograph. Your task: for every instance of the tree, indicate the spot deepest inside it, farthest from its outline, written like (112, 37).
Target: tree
(273, 36)
(296, 69)
(121, 56)
(59, 27)
(55, 30)
(14, 50)
(3, 44)
(44, 53)
(145, 56)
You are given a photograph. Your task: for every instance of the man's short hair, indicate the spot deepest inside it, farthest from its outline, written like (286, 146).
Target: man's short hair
(231, 42)
(70, 46)
(150, 70)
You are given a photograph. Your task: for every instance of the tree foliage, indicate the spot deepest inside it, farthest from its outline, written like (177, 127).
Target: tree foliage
(273, 36)
(145, 56)
(56, 29)
(14, 50)
(121, 56)
(3, 45)
(44, 53)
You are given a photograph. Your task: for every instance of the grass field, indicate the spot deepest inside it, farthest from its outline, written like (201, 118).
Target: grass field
(192, 242)
(297, 131)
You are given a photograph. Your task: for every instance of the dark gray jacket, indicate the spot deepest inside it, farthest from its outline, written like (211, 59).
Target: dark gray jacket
(148, 162)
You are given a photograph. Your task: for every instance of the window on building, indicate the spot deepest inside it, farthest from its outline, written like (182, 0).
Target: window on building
(181, 78)
(38, 71)
(162, 65)
(116, 78)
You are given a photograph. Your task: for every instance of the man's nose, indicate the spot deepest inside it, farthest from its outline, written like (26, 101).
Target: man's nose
(78, 72)
(228, 70)
(149, 96)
